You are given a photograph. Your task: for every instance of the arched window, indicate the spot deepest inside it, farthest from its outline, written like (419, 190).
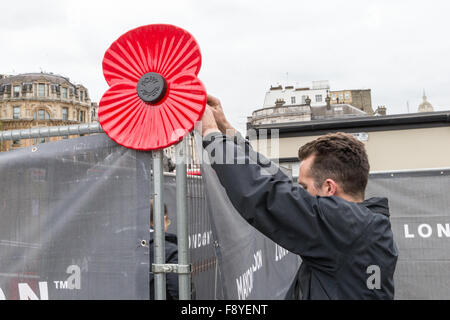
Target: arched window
(41, 114)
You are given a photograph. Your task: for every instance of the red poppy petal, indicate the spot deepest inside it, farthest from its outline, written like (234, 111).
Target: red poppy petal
(134, 124)
(161, 48)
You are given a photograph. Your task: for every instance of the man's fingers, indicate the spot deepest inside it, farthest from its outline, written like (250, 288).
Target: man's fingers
(212, 101)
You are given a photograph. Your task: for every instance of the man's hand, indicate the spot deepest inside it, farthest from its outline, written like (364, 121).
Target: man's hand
(208, 123)
(222, 123)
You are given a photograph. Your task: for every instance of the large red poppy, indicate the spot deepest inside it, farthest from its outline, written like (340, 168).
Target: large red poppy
(155, 97)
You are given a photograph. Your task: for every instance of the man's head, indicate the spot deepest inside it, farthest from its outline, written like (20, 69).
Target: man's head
(166, 216)
(334, 164)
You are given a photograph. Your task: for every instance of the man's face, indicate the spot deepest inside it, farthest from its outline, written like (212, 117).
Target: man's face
(306, 180)
(166, 222)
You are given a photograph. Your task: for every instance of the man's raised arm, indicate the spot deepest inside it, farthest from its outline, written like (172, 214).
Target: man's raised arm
(267, 198)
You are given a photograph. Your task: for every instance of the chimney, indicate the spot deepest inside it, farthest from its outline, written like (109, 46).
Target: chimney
(279, 102)
(381, 111)
(279, 87)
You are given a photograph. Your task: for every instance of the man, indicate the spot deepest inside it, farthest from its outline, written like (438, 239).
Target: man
(346, 244)
(171, 253)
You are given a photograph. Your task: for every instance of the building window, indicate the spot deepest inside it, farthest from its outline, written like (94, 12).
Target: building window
(82, 117)
(64, 93)
(303, 99)
(347, 96)
(318, 98)
(292, 100)
(42, 140)
(16, 113)
(333, 96)
(65, 114)
(42, 115)
(41, 90)
(16, 143)
(16, 91)
(341, 96)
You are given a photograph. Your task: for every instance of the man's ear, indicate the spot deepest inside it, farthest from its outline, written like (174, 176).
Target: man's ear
(330, 187)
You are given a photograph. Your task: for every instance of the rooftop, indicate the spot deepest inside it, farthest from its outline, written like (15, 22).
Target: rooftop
(31, 77)
(368, 123)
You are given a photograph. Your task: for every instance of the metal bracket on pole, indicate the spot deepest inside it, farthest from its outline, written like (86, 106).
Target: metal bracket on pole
(171, 268)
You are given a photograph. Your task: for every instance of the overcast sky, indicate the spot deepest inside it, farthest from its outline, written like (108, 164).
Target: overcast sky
(395, 48)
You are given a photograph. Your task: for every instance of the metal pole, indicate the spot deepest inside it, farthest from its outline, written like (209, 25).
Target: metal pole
(158, 216)
(184, 279)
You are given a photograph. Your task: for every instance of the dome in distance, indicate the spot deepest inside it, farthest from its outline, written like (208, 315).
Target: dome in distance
(425, 106)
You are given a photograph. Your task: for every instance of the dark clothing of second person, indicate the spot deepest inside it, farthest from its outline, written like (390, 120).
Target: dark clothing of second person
(171, 250)
(339, 241)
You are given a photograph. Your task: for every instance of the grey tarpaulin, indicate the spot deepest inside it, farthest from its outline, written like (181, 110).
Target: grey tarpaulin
(252, 265)
(206, 279)
(420, 217)
(73, 216)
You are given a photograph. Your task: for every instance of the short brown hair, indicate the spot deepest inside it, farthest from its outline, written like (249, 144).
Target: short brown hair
(151, 211)
(341, 157)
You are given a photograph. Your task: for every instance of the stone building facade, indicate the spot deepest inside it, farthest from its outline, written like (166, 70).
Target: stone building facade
(361, 99)
(39, 100)
(315, 93)
(286, 108)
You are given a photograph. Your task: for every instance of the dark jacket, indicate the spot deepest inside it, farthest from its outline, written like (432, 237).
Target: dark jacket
(340, 242)
(171, 249)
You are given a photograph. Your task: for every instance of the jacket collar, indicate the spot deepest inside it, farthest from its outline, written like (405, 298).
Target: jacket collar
(377, 205)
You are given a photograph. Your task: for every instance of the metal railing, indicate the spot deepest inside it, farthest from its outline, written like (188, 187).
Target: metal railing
(56, 131)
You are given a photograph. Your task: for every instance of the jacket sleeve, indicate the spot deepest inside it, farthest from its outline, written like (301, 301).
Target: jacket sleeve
(319, 229)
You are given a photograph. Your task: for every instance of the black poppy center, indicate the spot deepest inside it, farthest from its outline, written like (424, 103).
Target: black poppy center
(151, 87)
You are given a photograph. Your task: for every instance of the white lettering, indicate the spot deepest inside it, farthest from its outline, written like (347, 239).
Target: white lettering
(280, 252)
(426, 230)
(244, 283)
(25, 292)
(441, 230)
(421, 232)
(198, 310)
(199, 240)
(407, 234)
